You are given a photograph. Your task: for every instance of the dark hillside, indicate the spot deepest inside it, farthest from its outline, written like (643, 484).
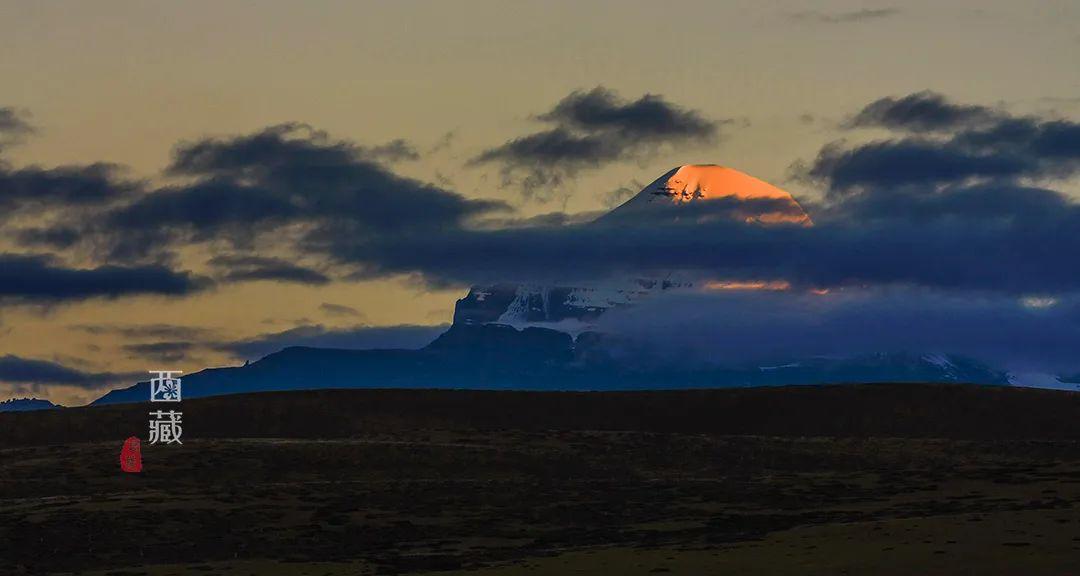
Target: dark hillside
(895, 410)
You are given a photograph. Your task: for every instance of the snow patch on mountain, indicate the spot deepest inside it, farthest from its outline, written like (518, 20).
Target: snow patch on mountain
(1030, 379)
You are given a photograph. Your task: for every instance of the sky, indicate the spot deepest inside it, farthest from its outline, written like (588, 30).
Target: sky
(193, 184)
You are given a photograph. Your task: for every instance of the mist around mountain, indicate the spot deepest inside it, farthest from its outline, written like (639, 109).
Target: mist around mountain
(500, 357)
(558, 336)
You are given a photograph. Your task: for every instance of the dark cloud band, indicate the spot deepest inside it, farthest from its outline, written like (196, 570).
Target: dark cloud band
(18, 370)
(592, 129)
(943, 142)
(38, 279)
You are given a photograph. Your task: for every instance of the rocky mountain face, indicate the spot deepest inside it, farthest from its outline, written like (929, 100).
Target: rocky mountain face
(527, 305)
(690, 193)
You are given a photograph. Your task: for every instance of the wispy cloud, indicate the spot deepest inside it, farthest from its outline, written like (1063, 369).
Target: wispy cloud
(14, 126)
(248, 268)
(331, 309)
(852, 17)
(356, 338)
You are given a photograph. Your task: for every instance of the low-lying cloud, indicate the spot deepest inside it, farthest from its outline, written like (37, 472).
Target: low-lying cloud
(764, 326)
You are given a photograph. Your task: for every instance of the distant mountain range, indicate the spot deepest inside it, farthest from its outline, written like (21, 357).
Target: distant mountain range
(495, 356)
(512, 336)
(26, 405)
(536, 337)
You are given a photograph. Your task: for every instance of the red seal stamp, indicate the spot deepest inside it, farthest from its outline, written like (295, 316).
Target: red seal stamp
(131, 455)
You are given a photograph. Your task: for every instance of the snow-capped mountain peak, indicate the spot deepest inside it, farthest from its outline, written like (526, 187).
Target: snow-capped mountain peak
(692, 193)
(695, 185)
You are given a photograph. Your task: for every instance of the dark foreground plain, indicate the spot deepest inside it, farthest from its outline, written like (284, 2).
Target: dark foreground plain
(874, 479)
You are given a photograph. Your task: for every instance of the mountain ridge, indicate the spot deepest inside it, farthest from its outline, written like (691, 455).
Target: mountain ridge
(27, 405)
(543, 337)
(500, 357)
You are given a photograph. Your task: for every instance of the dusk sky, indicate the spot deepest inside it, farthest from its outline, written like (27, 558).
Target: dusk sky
(193, 184)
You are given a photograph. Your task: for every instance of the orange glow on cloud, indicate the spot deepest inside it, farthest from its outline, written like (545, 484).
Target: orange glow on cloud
(714, 285)
(748, 285)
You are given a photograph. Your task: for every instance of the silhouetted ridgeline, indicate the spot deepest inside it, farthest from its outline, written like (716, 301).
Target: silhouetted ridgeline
(900, 410)
(26, 405)
(499, 357)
